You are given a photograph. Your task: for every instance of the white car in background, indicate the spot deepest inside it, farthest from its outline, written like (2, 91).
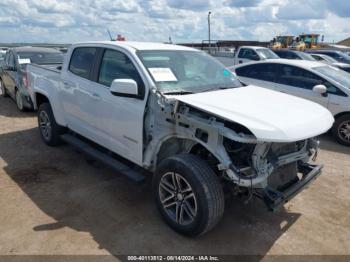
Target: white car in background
(315, 81)
(2, 56)
(326, 59)
(245, 54)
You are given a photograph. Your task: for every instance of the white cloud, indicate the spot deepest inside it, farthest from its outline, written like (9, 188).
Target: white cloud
(156, 20)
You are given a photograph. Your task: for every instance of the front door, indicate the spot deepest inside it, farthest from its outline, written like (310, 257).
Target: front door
(121, 118)
(300, 82)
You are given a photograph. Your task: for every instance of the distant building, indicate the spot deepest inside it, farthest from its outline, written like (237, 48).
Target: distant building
(224, 44)
(345, 42)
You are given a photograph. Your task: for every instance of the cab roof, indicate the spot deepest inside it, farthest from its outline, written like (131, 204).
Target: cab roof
(35, 49)
(141, 45)
(253, 47)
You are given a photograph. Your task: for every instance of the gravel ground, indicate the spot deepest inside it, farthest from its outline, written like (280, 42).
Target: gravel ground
(54, 201)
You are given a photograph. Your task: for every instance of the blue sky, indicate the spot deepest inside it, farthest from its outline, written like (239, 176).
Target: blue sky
(67, 21)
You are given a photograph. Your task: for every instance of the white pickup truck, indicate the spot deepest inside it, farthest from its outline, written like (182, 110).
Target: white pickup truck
(246, 54)
(177, 113)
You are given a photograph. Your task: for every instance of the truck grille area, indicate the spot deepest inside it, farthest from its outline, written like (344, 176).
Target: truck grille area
(284, 176)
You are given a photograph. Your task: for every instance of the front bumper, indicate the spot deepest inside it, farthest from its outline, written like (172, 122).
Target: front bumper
(274, 199)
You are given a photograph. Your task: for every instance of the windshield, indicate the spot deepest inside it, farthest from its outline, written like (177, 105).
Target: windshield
(329, 59)
(2, 56)
(186, 71)
(267, 53)
(335, 74)
(305, 56)
(41, 57)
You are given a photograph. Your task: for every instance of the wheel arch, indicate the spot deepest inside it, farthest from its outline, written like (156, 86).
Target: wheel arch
(175, 145)
(341, 114)
(40, 99)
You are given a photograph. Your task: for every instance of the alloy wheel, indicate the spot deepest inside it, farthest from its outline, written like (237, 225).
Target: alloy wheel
(45, 125)
(177, 198)
(344, 131)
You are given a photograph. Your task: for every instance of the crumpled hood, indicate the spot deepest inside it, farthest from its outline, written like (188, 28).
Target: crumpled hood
(271, 116)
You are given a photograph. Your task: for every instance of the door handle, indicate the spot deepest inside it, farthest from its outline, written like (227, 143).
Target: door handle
(95, 96)
(66, 85)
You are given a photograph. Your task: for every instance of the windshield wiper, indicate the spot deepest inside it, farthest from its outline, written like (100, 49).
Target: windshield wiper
(217, 88)
(178, 93)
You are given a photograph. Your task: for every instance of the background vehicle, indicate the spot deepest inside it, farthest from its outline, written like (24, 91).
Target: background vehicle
(323, 84)
(246, 54)
(310, 40)
(2, 57)
(337, 55)
(331, 61)
(282, 41)
(13, 74)
(179, 113)
(291, 54)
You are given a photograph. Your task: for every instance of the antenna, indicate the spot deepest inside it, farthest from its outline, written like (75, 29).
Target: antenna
(110, 36)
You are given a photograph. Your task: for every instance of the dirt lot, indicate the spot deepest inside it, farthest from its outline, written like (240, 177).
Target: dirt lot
(54, 202)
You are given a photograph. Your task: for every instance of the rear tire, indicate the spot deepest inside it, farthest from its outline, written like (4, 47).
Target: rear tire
(50, 131)
(188, 194)
(3, 89)
(341, 130)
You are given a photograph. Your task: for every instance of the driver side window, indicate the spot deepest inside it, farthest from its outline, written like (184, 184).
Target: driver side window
(298, 77)
(116, 65)
(301, 78)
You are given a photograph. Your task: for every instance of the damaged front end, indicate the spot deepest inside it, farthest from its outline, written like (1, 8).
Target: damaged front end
(275, 172)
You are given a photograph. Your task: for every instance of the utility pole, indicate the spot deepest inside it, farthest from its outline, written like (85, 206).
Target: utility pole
(209, 30)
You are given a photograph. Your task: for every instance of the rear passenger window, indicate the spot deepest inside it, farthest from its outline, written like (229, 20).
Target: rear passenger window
(116, 65)
(82, 60)
(265, 72)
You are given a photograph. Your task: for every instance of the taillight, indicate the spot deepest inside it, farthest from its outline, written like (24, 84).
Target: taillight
(25, 79)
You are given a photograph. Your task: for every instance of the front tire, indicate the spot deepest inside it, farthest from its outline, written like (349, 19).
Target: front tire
(50, 131)
(341, 130)
(188, 194)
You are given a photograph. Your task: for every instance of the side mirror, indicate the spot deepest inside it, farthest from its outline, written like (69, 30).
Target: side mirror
(124, 87)
(320, 89)
(255, 57)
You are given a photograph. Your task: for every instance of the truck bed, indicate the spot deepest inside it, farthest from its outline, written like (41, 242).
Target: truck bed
(42, 76)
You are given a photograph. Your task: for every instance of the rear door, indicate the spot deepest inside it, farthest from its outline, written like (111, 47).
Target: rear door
(263, 75)
(78, 99)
